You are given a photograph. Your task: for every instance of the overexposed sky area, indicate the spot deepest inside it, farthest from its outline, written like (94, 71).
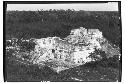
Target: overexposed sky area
(110, 6)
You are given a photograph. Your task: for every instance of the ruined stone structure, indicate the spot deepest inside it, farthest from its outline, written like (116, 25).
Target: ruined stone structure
(74, 50)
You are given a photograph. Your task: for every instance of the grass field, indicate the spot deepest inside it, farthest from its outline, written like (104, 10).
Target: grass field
(104, 70)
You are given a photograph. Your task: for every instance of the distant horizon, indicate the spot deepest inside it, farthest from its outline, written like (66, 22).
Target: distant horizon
(57, 10)
(110, 6)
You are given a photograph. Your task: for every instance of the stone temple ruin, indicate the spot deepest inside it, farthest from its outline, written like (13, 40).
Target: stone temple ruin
(71, 51)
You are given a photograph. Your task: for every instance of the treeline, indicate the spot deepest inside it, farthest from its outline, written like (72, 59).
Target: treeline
(38, 24)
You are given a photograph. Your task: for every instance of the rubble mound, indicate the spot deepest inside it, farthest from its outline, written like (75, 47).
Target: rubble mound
(78, 48)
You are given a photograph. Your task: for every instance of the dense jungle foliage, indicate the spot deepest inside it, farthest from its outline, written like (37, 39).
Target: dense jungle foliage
(38, 24)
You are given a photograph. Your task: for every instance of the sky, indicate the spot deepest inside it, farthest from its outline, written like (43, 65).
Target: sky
(110, 6)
